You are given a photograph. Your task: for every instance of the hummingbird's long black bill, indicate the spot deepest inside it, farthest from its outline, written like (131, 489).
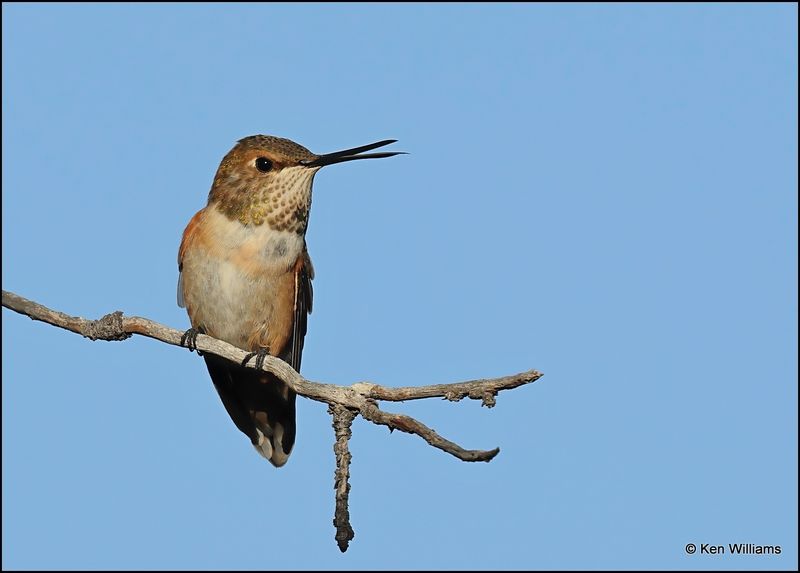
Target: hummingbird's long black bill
(352, 154)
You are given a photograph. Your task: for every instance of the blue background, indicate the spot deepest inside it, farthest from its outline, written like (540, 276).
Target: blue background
(603, 193)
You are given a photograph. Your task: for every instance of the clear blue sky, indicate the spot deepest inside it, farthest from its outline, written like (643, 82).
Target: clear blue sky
(605, 193)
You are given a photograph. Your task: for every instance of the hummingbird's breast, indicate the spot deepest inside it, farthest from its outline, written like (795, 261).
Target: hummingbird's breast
(238, 280)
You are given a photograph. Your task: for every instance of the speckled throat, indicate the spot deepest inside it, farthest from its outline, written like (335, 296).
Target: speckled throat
(283, 202)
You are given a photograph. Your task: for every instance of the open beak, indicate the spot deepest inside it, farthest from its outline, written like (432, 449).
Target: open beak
(351, 154)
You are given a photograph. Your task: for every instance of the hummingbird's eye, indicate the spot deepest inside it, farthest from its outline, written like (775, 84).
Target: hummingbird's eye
(263, 164)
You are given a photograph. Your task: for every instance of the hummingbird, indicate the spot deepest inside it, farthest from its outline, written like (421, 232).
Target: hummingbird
(245, 277)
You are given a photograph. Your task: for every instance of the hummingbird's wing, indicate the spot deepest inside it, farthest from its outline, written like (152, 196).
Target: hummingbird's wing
(303, 301)
(181, 302)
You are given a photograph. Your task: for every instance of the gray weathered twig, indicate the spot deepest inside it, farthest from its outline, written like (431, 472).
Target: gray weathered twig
(360, 398)
(342, 422)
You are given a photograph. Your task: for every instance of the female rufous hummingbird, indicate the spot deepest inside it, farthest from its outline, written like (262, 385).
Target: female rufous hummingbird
(245, 277)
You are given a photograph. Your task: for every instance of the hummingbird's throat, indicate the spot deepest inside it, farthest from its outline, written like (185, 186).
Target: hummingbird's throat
(283, 202)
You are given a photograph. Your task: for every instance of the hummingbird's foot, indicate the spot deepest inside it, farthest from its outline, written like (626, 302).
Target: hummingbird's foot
(189, 340)
(260, 356)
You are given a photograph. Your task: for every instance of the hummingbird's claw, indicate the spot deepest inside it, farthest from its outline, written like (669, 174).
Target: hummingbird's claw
(189, 340)
(260, 356)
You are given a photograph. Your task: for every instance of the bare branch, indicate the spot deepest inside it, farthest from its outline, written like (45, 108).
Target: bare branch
(360, 397)
(484, 390)
(411, 426)
(107, 328)
(342, 422)
(345, 402)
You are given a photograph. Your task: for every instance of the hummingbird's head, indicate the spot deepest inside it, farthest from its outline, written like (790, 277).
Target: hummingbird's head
(268, 179)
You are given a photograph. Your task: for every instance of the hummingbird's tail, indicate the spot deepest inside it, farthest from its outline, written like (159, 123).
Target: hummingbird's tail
(275, 424)
(261, 406)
